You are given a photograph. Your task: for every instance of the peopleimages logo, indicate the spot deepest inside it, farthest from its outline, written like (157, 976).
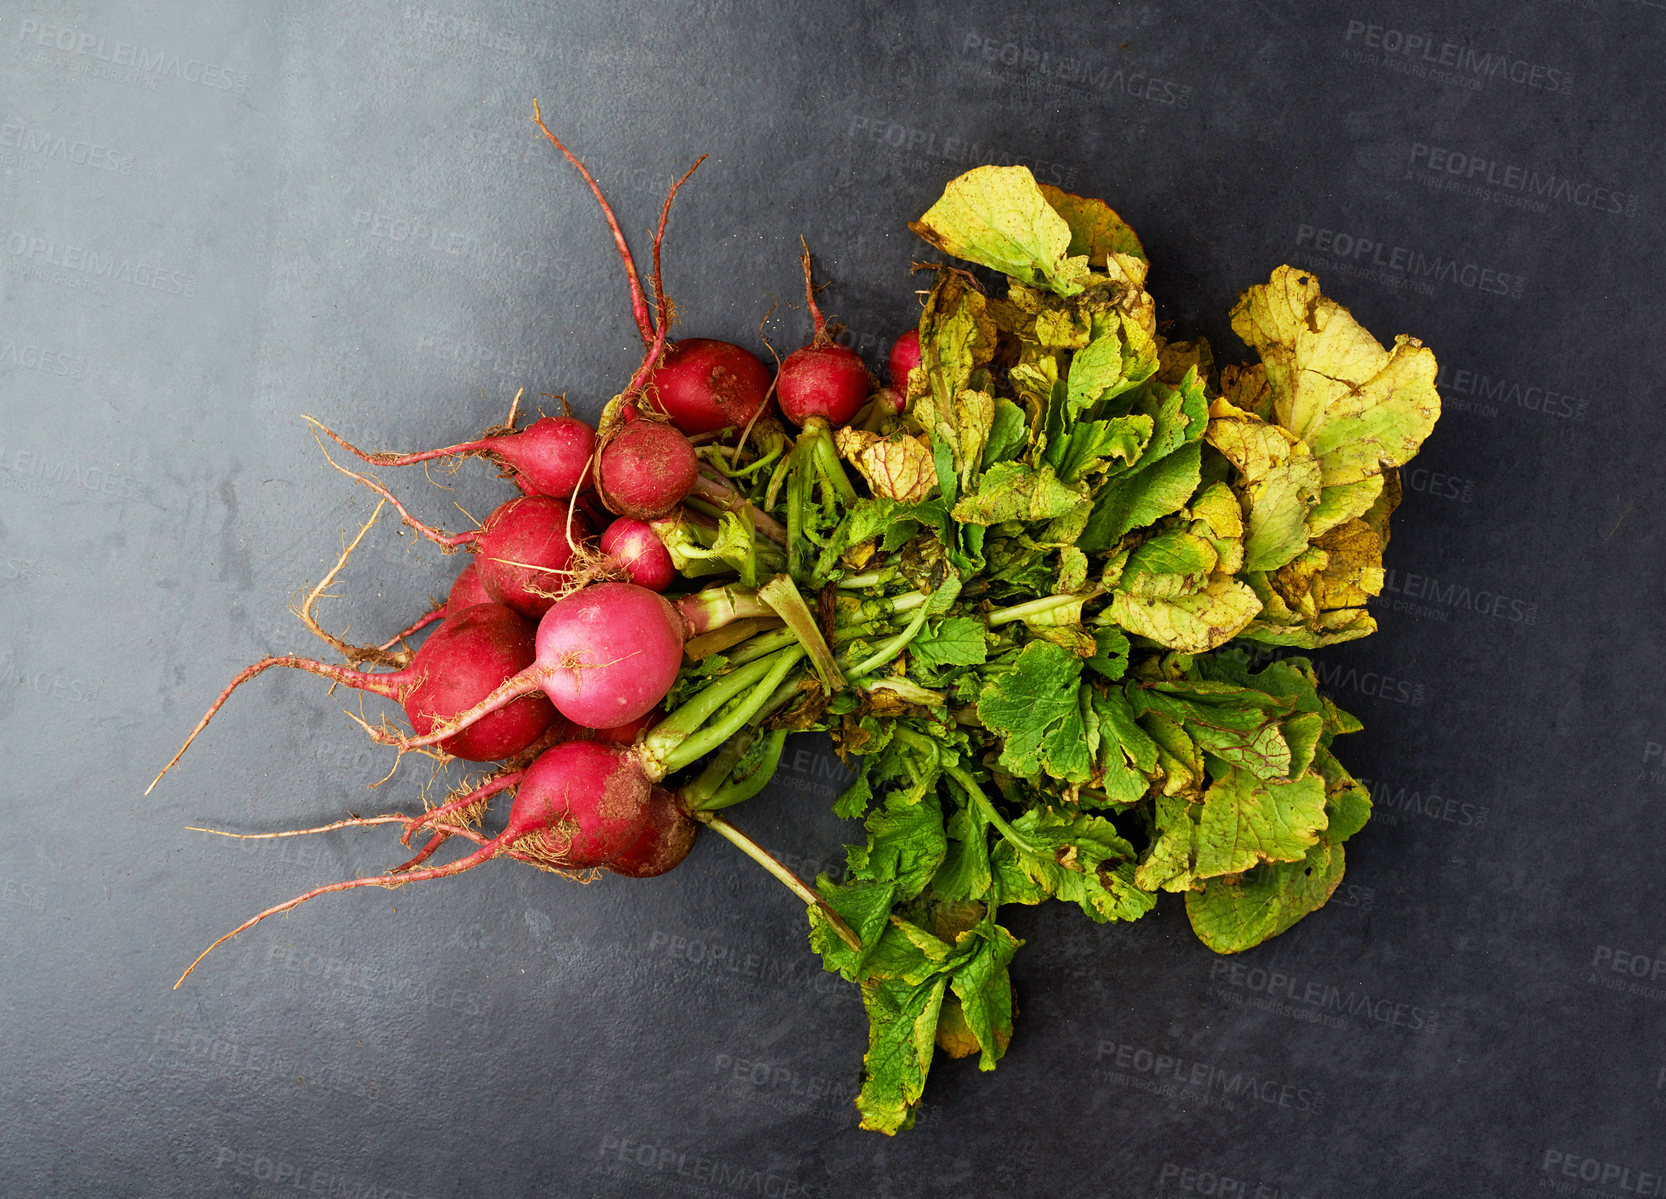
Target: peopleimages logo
(1410, 263)
(1478, 169)
(1467, 62)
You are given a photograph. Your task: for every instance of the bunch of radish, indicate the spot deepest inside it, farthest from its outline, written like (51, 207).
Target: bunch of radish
(566, 647)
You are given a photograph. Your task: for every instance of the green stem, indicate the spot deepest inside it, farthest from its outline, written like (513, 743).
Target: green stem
(970, 785)
(679, 725)
(893, 647)
(782, 594)
(736, 717)
(727, 792)
(792, 882)
(829, 466)
(1037, 607)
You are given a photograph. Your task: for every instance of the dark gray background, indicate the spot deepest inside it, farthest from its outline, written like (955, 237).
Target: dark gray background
(216, 217)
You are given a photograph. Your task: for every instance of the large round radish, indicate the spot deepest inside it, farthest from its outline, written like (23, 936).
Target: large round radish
(609, 653)
(523, 553)
(704, 385)
(646, 469)
(581, 804)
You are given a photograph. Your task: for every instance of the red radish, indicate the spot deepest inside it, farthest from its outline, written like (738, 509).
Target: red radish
(823, 379)
(466, 592)
(548, 457)
(459, 665)
(664, 842)
(584, 803)
(905, 356)
(637, 550)
(578, 805)
(705, 385)
(523, 554)
(465, 661)
(646, 469)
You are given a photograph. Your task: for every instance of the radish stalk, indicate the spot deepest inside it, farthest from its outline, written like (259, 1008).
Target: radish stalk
(792, 882)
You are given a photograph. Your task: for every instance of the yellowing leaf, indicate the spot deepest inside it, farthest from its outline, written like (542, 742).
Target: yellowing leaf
(1189, 623)
(898, 467)
(1358, 406)
(998, 218)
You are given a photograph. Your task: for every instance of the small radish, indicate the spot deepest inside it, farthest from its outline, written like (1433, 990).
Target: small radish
(645, 469)
(823, 379)
(523, 553)
(548, 457)
(663, 843)
(636, 549)
(463, 662)
(705, 385)
(905, 356)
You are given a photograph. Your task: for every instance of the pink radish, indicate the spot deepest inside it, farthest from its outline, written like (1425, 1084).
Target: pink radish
(636, 549)
(646, 469)
(823, 379)
(464, 661)
(607, 654)
(705, 385)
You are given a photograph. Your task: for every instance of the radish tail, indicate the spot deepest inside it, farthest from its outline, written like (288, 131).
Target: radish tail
(485, 853)
(639, 302)
(385, 685)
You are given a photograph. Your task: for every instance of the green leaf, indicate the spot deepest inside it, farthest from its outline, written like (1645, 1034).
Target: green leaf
(984, 989)
(866, 907)
(1230, 917)
(1239, 725)
(1359, 407)
(954, 641)
(1189, 623)
(1079, 859)
(965, 870)
(1008, 434)
(1036, 708)
(905, 843)
(902, 1031)
(1096, 231)
(1246, 820)
(1091, 444)
(1141, 497)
